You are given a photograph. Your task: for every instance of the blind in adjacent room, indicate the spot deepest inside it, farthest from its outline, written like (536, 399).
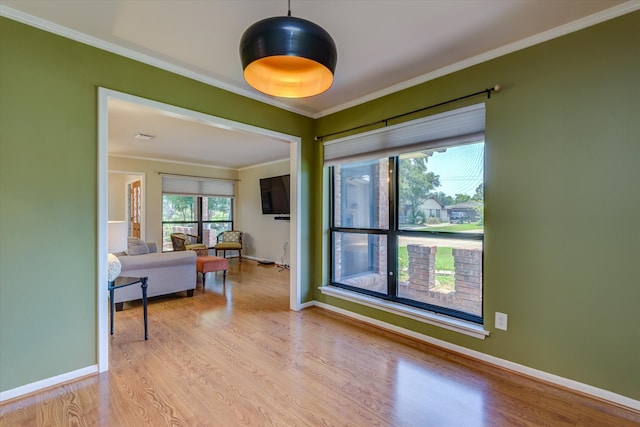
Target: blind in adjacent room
(464, 125)
(197, 186)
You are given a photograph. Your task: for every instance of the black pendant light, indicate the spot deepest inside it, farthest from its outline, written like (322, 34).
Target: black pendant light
(288, 57)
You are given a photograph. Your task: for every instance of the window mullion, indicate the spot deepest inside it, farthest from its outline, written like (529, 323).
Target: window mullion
(199, 217)
(392, 253)
(332, 224)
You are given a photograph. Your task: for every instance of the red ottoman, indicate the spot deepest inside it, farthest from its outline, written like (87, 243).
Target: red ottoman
(208, 264)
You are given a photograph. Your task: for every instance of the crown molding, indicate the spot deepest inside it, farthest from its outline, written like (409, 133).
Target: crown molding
(78, 36)
(177, 162)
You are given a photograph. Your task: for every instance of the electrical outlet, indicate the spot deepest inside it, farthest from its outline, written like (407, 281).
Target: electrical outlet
(501, 321)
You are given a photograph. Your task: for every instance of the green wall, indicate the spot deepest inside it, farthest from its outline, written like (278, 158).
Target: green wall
(562, 202)
(562, 197)
(48, 188)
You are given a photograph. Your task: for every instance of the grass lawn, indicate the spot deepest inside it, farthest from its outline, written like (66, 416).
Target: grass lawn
(454, 227)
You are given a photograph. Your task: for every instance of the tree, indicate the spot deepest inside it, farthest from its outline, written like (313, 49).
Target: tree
(217, 208)
(461, 198)
(178, 208)
(416, 184)
(479, 193)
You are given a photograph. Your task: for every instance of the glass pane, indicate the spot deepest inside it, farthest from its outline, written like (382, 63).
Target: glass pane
(178, 208)
(442, 272)
(211, 230)
(442, 189)
(216, 208)
(167, 229)
(362, 194)
(360, 260)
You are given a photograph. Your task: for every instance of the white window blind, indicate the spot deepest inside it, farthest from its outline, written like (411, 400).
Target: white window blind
(464, 125)
(197, 186)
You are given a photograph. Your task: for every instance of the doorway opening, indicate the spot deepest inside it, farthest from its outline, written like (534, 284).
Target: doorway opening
(104, 96)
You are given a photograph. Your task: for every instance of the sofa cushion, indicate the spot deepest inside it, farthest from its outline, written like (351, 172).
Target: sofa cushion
(136, 246)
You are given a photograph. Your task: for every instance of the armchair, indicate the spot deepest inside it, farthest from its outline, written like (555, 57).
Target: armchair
(229, 241)
(188, 242)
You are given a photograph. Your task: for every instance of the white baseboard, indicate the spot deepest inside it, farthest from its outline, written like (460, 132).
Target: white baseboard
(47, 382)
(253, 258)
(307, 304)
(587, 389)
(276, 263)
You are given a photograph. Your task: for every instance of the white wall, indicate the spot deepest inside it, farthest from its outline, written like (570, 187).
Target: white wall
(117, 197)
(263, 237)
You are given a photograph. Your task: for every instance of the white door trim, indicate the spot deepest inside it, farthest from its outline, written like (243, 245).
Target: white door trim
(103, 167)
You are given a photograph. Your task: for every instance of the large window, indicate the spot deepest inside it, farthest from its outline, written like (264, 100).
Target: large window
(409, 227)
(422, 247)
(198, 215)
(198, 206)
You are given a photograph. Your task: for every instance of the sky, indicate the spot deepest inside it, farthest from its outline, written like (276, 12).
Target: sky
(461, 169)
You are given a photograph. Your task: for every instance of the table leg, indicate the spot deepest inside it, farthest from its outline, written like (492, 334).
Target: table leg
(144, 307)
(111, 305)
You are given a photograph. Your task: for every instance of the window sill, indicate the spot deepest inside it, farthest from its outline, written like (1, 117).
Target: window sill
(431, 318)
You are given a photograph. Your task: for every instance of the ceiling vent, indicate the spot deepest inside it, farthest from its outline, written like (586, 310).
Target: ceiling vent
(144, 136)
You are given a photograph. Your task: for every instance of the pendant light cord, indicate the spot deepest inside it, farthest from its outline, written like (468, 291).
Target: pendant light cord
(289, 8)
(487, 91)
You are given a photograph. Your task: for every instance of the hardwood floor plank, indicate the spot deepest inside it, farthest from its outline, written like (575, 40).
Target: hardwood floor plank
(235, 355)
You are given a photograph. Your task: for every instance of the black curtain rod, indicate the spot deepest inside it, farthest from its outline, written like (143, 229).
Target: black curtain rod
(488, 91)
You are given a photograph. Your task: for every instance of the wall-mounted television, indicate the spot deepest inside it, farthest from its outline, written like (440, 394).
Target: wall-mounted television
(274, 195)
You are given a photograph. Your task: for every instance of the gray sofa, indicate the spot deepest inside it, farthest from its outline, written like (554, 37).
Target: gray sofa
(168, 272)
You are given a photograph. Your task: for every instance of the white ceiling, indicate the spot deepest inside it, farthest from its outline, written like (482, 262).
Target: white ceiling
(383, 46)
(182, 138)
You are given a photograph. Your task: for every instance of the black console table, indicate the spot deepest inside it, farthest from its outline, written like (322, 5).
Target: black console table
(122, 282)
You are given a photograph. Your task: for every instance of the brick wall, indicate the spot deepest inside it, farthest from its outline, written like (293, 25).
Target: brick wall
(468, 276)
(422, 285)
(422, 267)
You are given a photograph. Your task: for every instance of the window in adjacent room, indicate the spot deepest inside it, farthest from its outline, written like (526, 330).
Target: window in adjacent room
(199, 207)
(200, 216)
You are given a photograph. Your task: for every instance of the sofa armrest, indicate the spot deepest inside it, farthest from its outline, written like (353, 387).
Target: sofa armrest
(156, 260)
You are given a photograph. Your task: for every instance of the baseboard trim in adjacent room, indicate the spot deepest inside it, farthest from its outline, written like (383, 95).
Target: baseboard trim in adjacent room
(256, 259)
(586, 389)
(47, 382)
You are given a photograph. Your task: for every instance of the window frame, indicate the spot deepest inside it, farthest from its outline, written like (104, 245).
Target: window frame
(393, 233)
(198, 221)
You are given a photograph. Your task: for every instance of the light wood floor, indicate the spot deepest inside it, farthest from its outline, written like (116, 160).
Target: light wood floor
(237, 356)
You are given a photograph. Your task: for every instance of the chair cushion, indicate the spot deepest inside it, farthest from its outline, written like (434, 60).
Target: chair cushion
(228, 245)
(200, 248)
(195, 246)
